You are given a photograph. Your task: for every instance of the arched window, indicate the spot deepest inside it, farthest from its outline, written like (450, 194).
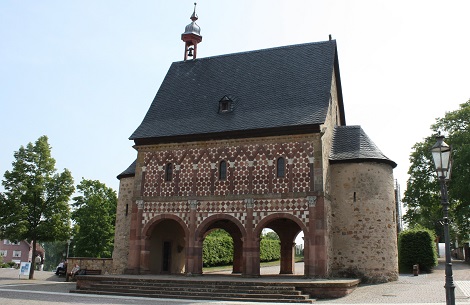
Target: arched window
(223, 170)
(168, 172)
(281, 167)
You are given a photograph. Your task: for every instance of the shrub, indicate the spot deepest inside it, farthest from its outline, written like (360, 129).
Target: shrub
(417, 246)
(217, 250)
(270, 250)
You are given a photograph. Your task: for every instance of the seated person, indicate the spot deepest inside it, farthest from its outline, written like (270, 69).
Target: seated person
(61, 268)
(75, 271)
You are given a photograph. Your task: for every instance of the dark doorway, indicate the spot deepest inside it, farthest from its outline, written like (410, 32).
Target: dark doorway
(166, 257)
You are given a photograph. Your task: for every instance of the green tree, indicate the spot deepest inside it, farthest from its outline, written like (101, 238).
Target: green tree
(95, 217)
(55, 253)
(422, 196)
(270, 235)
(34, 206)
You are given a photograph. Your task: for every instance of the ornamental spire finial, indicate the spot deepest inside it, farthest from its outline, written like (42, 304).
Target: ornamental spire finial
(194, 15)
(191, 36)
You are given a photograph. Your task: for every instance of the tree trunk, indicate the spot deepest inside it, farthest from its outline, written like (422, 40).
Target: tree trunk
(33, 264)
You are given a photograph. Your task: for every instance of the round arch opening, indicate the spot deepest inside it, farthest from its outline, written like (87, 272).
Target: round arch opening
(290, 237)
(233, 229)
(166, 246)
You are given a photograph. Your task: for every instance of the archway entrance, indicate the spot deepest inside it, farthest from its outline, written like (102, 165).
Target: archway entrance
(233, 228)
(287, 230)
(166, 243)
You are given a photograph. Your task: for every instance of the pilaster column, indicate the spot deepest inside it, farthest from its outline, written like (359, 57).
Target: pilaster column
(317, 241)
(193, 266)
(213, 178)
(271, 175)
(194, 184)
(250, 243)
(250, 177)
(311, 161)
(135, 238)
(290, 165)
(177, 179)
(231, 178)
(287, 258)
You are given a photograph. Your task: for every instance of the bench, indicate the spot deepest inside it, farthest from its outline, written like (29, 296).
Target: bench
(83, 272)
(90, 272)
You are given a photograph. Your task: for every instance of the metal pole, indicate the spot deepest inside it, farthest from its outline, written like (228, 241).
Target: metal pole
(68, 246)
(449, 286)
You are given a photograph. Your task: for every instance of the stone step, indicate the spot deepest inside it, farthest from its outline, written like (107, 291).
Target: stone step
(203, 291)
(192, 283)
(199, 287)
(194, 296)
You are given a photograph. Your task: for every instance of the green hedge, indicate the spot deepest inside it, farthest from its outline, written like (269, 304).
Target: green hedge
(218, 249)
(270, 250)
(417, 246)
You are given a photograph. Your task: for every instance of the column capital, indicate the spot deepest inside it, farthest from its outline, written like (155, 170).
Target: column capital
(192, 204)
(249, 202)
(140, 204)
(312, 201)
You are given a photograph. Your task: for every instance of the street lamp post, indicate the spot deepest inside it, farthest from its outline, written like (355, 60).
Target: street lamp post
(68, 245)
(441, 153)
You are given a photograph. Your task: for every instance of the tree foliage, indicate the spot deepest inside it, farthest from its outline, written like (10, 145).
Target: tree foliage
(270, 235)
(422, 197)
(34, 206)
(95, 217)
(55, 253)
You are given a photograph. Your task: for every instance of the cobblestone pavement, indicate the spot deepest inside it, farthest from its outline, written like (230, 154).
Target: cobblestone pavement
(47, 289)
(409, 289)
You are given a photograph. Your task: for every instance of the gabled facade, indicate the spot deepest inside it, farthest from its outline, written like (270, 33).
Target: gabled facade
(17, 252)
(249, 141)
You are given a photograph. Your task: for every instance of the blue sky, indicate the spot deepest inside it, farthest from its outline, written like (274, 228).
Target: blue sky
(85, 72)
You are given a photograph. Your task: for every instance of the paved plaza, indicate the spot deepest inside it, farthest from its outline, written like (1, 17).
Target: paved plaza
(48, 289)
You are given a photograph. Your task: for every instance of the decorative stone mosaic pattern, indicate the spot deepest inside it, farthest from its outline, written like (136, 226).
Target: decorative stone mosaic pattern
(297, 207)
(262, 208)
(251, 169)
(179, 208)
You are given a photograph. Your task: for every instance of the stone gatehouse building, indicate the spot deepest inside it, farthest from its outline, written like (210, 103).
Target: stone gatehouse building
(255, 140)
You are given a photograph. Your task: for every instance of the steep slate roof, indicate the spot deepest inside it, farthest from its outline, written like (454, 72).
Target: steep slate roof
(129, 172)
(284, 87)
(351, 144)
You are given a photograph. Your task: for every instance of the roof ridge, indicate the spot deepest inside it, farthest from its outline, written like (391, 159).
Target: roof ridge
(259, 50)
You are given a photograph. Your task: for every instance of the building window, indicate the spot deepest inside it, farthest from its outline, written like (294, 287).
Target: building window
(16, 253)
(14, 243)
(223, 170)
(6, 242)
(3, 253)
(168, 172)
(225, 105)
(281, 167)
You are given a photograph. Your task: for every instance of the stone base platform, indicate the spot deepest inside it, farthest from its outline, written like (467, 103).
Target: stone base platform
(276, 288)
